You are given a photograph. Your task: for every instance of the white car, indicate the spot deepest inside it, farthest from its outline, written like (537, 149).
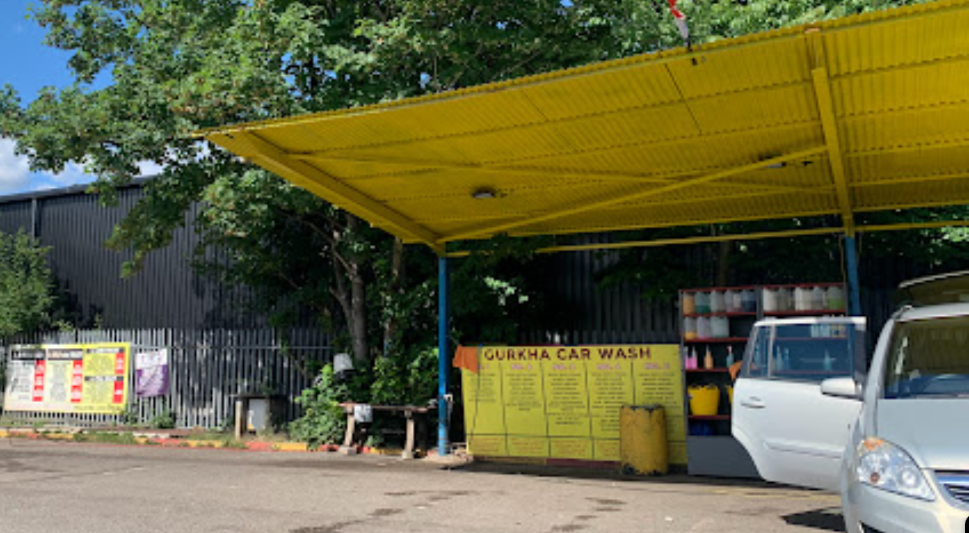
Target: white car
(892, 436)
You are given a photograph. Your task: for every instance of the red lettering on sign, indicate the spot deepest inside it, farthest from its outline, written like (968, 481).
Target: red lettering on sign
(39, 370)
(119, 391)
(77, 381)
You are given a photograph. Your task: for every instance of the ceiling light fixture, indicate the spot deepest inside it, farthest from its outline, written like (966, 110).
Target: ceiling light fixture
(484, 193)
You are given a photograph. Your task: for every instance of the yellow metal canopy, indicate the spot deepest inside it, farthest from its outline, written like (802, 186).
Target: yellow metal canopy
(866, 113)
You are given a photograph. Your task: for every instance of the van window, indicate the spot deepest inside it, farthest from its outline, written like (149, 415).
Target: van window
(801, 352)
(929, 359)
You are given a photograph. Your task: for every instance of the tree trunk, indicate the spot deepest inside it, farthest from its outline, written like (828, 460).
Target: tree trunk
(358, 303)
(723, 263)
(397, 271)
(358, 323)
(723, 258)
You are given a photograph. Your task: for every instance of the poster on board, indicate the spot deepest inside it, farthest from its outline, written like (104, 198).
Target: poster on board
(564, 402)
(151, 373)
(68, 378)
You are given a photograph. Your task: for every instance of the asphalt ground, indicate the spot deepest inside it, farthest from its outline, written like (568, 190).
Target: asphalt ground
(66, 488)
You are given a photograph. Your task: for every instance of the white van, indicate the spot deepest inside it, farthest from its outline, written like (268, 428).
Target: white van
(892, 436)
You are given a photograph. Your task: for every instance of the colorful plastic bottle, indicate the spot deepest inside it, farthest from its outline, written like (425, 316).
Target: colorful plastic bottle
(689, 303)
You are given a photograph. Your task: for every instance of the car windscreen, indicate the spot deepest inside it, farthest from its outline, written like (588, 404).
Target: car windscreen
(929, 359)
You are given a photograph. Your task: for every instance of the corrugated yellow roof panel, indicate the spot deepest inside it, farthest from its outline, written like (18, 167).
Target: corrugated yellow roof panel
(859, 114)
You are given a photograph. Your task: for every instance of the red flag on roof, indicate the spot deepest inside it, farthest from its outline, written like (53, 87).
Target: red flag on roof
(680, 19)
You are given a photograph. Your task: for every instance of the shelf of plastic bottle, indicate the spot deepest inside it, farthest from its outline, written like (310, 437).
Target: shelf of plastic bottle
(707, 370)
(726, 314)
(709, 417)
(712, 341)
(722, 289)
(810, 312)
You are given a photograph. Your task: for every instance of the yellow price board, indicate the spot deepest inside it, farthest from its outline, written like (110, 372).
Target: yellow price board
(564, 402)
(483, 410)
(566, 398)
(524, 398)
(68, 378)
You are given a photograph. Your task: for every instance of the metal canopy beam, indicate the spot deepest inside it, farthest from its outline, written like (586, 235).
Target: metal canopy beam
(822, 90)
(573, 210)
(274, 159)
(829, 124)
(503, 169)
(625, 245)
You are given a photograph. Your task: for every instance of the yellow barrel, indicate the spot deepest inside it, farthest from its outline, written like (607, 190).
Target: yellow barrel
(643, 447)
(704, 399)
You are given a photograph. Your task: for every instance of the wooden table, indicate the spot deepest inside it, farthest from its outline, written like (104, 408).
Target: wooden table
(413, 414)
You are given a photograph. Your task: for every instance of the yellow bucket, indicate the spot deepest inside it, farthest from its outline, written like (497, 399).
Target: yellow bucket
(730, 393)
(704, 400)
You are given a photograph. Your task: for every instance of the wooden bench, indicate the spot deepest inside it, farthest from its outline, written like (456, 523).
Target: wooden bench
(414, 415)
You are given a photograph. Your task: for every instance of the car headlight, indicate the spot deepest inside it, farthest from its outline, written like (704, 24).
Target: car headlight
(883, 465)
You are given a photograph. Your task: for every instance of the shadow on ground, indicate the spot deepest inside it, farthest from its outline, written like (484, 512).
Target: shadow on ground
(674, 478)
(819, 519)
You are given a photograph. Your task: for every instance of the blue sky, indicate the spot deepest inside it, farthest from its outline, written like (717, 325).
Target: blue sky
(28, 65)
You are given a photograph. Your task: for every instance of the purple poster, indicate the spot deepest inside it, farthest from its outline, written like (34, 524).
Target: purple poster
(151, 373)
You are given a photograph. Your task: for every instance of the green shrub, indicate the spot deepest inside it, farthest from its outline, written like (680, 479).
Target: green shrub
(411, 379)
(130, 416)
(323, 420)
(164, 420)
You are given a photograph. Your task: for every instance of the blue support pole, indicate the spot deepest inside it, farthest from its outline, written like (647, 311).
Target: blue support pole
(854, 287)
(443, 349)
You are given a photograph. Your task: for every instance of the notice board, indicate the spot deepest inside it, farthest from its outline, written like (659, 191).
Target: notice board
(564, 402)
(68, 378)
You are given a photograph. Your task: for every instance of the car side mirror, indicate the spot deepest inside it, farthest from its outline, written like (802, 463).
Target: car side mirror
(841, 387)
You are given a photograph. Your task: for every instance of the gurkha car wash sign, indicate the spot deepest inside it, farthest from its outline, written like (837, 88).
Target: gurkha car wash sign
(68, 378)
(563, 402)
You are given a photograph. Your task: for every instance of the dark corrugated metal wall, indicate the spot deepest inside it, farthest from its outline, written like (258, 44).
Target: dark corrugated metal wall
(620, 314)
(166, 294)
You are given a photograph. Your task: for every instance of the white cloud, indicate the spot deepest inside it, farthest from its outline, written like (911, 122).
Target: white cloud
(149, 168)
(72, 174)
(14, 169)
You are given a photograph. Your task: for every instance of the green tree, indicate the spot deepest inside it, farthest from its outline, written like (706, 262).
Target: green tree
(25, 285)
(175, 67)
